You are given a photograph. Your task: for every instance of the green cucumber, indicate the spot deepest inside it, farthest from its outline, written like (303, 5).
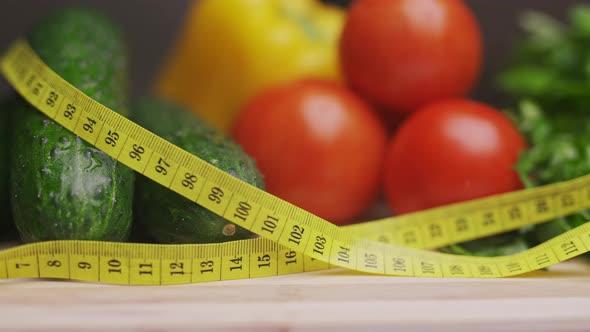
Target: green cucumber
(5, 112)
(169, 217)
(61, 186)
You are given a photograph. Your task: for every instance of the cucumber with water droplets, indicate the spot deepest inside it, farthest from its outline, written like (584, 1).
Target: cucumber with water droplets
(61, 186)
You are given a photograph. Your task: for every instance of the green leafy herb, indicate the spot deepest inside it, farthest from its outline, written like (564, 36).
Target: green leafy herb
(550, 76)
(552, 62)
(498, 245)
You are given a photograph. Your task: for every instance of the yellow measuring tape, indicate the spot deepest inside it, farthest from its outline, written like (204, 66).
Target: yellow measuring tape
(292, 239)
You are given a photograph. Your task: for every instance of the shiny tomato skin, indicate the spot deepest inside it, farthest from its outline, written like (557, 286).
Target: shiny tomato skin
(403, 54)
(451, 151)
(318, 146)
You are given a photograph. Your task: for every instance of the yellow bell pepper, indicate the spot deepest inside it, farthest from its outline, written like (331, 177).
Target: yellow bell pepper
(229, 50)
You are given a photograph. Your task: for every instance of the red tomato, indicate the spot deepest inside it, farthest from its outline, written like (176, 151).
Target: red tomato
(451, 151)
(317, 144)
(403, 54)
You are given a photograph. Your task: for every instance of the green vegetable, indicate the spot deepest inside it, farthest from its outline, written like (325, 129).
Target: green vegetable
(552, 62)
(62, 187)
(497, 245)
(5, 215)
(169, 217)
(550, 79)
(560, 150)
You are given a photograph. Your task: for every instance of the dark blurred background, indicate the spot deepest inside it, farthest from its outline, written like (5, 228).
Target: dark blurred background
(151, 26)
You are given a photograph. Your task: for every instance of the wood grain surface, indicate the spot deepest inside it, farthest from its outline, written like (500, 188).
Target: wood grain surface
(333, 300)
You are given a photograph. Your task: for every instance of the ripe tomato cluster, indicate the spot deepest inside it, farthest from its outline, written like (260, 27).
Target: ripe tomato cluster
(326, 147)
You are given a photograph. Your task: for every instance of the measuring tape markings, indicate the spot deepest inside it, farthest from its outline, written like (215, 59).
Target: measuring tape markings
(296, 231)
(466, 221)
(176, 264)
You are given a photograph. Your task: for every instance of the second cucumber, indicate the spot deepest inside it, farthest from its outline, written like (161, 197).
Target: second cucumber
(169, 217)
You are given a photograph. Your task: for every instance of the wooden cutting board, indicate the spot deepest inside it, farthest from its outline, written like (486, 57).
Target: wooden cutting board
(332, 300)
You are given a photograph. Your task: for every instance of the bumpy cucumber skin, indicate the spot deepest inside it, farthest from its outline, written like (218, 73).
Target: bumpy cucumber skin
(169, 217)
(61, 186)
(6, 110)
